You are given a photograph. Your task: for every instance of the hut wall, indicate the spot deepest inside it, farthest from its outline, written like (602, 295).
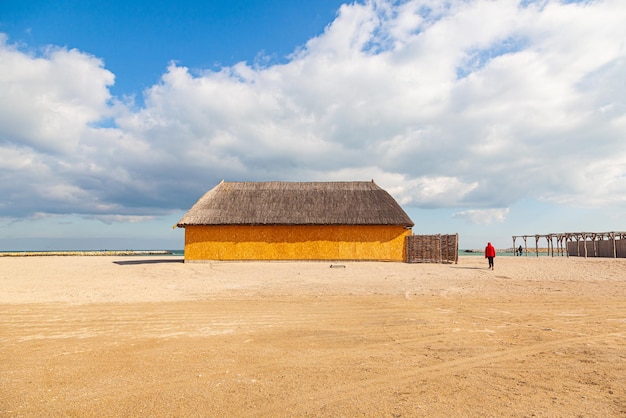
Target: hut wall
(310, 242)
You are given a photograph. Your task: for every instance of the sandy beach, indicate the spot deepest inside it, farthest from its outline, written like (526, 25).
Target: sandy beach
(153, 336)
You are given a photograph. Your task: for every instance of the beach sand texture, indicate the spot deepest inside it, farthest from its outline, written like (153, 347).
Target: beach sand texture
(152, 336)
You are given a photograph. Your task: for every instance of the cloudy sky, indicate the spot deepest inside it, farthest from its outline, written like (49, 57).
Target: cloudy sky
(486, 118)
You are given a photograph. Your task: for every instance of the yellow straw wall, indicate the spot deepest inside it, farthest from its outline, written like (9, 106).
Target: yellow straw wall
(384, 243)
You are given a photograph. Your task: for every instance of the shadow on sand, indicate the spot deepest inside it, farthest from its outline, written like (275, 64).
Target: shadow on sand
(471, 268)
(152, 261)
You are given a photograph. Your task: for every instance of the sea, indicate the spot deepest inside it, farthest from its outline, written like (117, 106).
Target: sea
(543, 252)
(181, 252)
(95, 252)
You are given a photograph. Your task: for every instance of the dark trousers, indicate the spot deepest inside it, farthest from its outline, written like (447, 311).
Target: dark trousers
(490, 262)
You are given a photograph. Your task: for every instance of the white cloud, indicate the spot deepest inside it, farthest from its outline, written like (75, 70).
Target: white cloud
(49, 99)
(459, 104)
(483, 216)
(111, 219)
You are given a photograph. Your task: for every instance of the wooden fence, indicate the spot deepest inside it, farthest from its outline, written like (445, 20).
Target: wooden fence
(597, 248)
(432, 248)
(580, 244)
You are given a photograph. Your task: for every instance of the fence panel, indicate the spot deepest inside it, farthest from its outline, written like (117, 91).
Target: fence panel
(597, 248)
(432, 248)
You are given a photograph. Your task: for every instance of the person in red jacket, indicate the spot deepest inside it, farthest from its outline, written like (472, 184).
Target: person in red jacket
(490, 254)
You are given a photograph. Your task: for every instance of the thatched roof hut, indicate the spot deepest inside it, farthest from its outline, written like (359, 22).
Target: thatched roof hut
(295, 220)
(296, 203)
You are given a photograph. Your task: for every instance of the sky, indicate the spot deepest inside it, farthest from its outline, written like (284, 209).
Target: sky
(484, 118)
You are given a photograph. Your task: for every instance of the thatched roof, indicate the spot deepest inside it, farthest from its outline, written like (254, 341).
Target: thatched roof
(291, 203)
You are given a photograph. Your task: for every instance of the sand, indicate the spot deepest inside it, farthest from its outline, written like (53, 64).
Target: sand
(152, 336)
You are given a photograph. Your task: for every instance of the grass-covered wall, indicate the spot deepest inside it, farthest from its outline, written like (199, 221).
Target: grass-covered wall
(298, 242)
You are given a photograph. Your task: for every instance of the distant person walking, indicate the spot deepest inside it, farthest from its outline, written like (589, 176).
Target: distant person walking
(490, 254)
(520, 249)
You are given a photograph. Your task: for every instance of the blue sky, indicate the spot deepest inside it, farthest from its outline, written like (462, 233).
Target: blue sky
(489, 119)
(137, 39)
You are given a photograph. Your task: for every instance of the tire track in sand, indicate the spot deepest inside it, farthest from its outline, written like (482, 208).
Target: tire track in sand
(350, 391)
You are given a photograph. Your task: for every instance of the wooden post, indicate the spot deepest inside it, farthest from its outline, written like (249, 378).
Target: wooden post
(550, 245)
(612, 235)
(537, 245)
(593, 245)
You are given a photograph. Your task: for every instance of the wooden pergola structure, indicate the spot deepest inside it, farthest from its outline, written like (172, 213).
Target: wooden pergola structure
(587, 244)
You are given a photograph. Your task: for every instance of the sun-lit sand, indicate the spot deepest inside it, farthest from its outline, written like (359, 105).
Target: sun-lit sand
(152, 336)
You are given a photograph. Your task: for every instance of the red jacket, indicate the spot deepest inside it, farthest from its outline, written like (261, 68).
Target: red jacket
(490, 251)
